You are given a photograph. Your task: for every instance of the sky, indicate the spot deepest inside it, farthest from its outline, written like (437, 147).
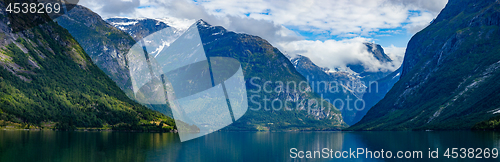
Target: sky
(330, 32)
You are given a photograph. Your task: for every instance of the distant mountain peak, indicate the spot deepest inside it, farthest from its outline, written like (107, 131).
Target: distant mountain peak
(378, 52)
(137, 28)
(202, 23)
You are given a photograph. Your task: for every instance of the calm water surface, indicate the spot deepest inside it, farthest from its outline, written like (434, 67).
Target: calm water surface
(227, 146)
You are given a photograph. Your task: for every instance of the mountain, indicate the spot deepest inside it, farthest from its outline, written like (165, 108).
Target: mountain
(339, 88)
(105, 44)
(263, 65)
(142, 27)
(378, 52)
(137, 28)
(449, 76)
(368, 76)
(348, 89)
(47, 80)
(261, 60)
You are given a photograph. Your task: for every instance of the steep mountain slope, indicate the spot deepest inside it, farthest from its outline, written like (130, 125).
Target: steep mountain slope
(45, 76)
(347, 90)
(266, 64)
(376, 91)
(449, 75)
(105, 44)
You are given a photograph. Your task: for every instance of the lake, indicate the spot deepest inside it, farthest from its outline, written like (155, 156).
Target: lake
(19, 145)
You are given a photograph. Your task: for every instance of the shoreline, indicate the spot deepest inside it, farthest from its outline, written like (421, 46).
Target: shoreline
(269, 131)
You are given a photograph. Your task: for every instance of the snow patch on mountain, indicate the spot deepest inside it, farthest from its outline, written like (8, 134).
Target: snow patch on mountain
(179, 24)
(124, 23)
(141, 28)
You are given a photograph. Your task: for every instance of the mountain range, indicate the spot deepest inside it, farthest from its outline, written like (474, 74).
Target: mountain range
(353, 91)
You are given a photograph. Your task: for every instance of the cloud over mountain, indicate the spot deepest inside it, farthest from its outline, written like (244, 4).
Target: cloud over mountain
(339, 54)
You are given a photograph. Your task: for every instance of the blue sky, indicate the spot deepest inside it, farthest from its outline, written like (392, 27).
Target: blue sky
(398, 37)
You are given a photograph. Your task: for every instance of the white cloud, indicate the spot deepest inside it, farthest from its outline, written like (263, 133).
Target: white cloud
(396, 54)
(266, 29)
(433, 6)
(347, 18)
(111, 7)
(339, 54)
(340, 17)
(418, 21)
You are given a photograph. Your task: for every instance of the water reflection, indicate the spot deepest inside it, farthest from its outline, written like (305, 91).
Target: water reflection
(225, 146)
(80, 146)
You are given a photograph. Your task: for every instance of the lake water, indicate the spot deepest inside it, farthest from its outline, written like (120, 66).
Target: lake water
(233, 146)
